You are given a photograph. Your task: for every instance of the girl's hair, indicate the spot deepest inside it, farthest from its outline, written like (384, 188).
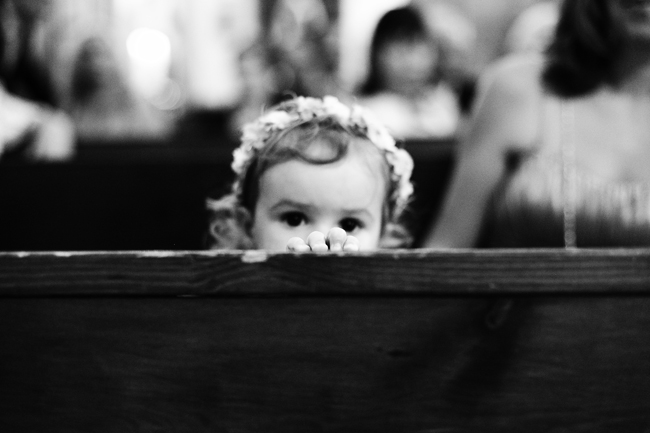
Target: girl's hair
(320, 142)
(403, 24)
(318, 132)
(589, 40)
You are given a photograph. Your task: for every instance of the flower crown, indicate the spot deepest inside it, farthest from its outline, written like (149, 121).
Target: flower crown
(305, 109)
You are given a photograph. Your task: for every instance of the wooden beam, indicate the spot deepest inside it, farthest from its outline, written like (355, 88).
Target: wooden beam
(403, 341)
(399, 273)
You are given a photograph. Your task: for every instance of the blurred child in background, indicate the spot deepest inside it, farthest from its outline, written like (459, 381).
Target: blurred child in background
(102, 104)
(405, 86)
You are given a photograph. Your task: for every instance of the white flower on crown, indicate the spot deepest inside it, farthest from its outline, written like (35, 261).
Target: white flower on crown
(255, 135)
(309, 108)
(401, 162)
(276, 120)
(402, 167)
(357, 117)
(334, 108)
(241, 157)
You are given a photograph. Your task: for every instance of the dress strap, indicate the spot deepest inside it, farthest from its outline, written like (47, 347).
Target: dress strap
(569, 198)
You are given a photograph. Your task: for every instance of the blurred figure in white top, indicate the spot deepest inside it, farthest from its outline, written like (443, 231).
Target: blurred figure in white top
(405, 87)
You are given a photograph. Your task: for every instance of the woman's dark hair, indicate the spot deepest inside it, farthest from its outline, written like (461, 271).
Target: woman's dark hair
(3, 37)
(589, 40)
(2, 45)
(402, 24)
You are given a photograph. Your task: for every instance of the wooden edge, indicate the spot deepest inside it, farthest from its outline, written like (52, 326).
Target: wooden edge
(388, 273)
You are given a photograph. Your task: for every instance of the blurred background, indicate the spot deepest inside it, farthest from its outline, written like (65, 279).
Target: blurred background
(117, 117)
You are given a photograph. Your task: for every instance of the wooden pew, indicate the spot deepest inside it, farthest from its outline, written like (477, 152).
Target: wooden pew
(404, 341)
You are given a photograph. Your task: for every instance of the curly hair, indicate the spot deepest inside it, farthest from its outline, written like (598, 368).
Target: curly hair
(229, 226)
(589, 40)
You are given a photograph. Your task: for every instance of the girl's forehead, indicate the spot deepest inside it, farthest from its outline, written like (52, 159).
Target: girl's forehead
(367, 151)
(349, 183)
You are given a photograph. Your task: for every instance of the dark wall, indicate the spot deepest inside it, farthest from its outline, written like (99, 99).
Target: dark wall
(146, 196)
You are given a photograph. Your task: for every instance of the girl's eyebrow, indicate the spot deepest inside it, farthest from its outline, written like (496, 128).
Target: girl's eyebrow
(366, 213)
(291, 203)
(306, 207)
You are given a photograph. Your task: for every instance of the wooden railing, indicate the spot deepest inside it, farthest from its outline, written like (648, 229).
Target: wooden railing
(404, 341)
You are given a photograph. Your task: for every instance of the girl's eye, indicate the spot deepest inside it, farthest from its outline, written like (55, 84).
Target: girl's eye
(294, 219)
(350, 224)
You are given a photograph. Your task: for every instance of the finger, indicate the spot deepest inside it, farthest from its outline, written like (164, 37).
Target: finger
(351, 244)
(297, 245)
(316, 241)
(336, 238)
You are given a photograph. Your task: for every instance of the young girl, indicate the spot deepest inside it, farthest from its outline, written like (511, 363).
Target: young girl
(314, 175)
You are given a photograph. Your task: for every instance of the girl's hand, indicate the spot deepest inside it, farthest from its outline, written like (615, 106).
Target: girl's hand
(337, 240)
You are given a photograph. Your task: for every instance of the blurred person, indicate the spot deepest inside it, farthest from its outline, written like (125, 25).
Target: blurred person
(32, 131)
(302, 35)
(31, 127)
(295, 56)
(102, 104)
(406, 87)
(533, 28)
(558, 153)
(263, 76)
(457, 34)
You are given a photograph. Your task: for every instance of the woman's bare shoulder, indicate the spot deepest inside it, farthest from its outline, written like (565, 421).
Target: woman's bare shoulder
(507, 111)
(515, 75)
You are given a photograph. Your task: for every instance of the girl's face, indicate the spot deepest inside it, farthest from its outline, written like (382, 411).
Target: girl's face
(407, 65)
(297, 198)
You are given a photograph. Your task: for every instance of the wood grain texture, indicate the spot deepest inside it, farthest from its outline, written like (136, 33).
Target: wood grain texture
(418, 341)
(404, 272)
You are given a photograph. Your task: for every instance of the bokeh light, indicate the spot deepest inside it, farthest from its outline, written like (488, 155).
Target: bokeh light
(149, 51)
(148, 46)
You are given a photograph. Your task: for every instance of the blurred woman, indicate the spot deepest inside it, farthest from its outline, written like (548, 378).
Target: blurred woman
(558, 153)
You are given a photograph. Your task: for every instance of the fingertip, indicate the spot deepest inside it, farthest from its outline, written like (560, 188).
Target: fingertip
(351, 244)
(336, 238)
(316, 241)
(297, 245)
